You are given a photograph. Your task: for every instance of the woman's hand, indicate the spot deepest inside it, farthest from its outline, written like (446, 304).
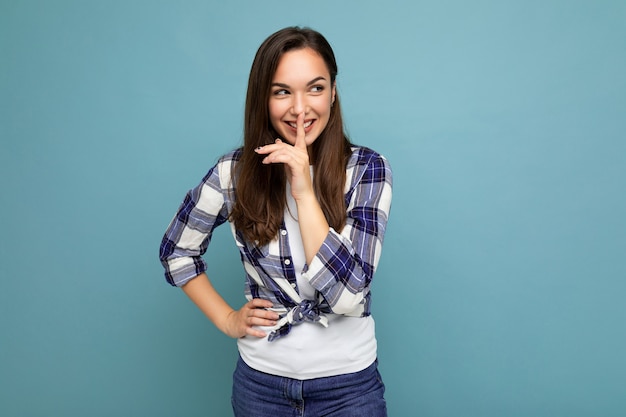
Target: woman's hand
(239, 323)
(295, 158)
(313, 224)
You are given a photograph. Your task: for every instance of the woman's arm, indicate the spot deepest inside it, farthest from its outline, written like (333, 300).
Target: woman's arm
(233, 323)
(313, 224)
(183, 245)
(343, 267)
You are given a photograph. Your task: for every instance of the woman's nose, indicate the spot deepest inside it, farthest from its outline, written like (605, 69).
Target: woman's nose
(298, 104)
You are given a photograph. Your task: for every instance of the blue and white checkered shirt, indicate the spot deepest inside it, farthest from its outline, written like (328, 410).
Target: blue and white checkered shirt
(342, 270)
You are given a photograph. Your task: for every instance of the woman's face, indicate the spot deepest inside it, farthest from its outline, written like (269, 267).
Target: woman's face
(301, 83)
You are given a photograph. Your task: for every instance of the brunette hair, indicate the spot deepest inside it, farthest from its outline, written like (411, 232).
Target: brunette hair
(260, 198)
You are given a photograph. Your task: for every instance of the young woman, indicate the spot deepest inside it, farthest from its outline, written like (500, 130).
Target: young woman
(308, 211)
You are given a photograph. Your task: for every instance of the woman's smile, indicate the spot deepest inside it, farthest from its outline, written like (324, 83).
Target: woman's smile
(307, 125)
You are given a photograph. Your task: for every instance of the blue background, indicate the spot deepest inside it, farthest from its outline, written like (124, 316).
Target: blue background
(502, 283)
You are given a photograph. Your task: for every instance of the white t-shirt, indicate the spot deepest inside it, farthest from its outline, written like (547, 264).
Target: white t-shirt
(310, 350)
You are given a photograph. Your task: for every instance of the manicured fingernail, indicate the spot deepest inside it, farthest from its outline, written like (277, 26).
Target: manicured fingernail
(277, 141)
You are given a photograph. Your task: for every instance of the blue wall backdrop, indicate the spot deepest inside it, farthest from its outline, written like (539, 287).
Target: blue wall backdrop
(502, 284)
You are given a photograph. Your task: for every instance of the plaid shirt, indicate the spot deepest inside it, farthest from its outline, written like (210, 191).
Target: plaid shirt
(342, 270)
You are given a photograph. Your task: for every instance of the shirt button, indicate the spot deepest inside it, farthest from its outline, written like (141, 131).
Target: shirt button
(293, 285)
(287, 262)
(283, 232)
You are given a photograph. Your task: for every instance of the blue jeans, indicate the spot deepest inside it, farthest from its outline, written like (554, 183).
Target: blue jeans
(257, 394)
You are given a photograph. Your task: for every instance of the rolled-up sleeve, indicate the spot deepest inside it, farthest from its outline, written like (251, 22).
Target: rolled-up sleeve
(189, 232)
(343, 268)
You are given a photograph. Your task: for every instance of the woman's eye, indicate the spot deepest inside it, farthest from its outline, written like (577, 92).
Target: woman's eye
(280, 92)
(317, 88)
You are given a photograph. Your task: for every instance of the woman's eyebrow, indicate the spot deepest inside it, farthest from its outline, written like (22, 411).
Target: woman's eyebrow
(313, 81)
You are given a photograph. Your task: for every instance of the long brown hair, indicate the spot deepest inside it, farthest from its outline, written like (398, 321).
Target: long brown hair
(260, 198)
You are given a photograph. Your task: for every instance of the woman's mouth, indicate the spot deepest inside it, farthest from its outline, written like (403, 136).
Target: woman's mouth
(307, 124)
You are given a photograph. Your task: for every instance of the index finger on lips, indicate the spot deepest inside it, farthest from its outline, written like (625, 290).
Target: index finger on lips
(300, 134)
